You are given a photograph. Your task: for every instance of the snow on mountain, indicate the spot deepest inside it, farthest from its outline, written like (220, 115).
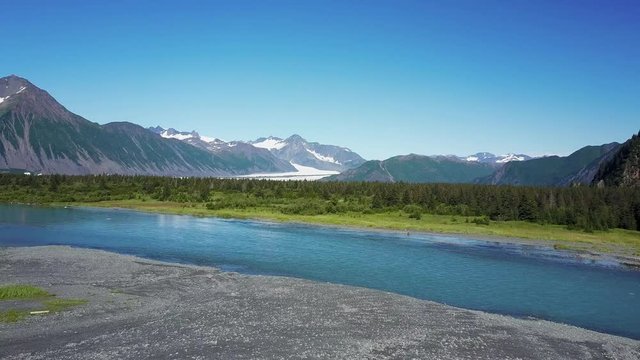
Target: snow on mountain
(210, 139)
(323, 158)
(296, 149)
(248, 158)
(172, 133)
(311, 159)
(167, 134)
(270, 143)
(510, 157)
(2, 99)
(486, 157)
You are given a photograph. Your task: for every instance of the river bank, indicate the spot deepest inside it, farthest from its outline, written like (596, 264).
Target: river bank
(139, 308)
(621, 246)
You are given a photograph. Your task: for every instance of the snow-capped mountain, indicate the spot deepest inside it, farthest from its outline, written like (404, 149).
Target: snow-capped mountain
(269, 143)
(297, 150)
(246, 156)
(193, 138)
(172, 133)
(287, 158)
(489, 158)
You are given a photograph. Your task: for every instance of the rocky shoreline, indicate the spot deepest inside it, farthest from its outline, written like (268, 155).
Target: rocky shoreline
(139, 308)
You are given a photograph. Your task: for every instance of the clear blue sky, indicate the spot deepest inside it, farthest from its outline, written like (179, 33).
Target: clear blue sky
(381, 77)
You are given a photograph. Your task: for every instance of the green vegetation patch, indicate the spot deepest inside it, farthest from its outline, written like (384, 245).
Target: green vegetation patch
(11, 316)
(21, 292)
(62, 304)
(15, 291)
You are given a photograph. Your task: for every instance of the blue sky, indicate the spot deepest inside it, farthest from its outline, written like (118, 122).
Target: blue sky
(381, 77)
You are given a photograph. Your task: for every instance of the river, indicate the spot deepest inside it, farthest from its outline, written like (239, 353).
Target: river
(514, 279)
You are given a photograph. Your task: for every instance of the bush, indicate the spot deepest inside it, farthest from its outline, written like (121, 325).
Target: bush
(484, 220)
(416, 216)
(305, 208)
(414, 211)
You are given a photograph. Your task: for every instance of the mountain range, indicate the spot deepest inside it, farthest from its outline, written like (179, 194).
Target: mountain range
(582, 167)
(39, 135)
(579, 167)
(292, 150)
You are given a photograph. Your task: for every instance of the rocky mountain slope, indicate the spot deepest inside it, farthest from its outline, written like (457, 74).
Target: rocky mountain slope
(297, 150)
(623, 167)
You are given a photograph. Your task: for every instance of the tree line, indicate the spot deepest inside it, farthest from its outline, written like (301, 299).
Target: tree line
(582, 207)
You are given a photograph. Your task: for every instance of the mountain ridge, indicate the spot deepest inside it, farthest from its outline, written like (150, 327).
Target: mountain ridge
(414, 168)
(622, 168)
(293, 150)
(576, 168)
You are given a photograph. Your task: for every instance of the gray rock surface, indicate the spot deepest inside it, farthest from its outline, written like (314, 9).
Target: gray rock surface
(146, 309)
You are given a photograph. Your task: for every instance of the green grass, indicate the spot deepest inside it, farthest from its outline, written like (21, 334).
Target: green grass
(11, 316)
(616, 241)
(15, 291)
(56, 305)
(22, 292)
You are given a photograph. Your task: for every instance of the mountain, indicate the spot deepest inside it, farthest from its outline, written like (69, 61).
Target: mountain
(245, 157)
(417, 169)
(577, 168)
(172, 133)
(623, 167)
(39, 135)
(297, 150)
(489, 158)
(291, 155)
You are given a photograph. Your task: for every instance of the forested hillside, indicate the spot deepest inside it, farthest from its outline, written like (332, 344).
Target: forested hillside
(577, 168)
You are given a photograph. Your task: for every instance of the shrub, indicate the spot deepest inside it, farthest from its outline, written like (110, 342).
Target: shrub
(484, 220)
(414, 211)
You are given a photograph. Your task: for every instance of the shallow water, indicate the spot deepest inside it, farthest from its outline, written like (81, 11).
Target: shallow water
(520, 280)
